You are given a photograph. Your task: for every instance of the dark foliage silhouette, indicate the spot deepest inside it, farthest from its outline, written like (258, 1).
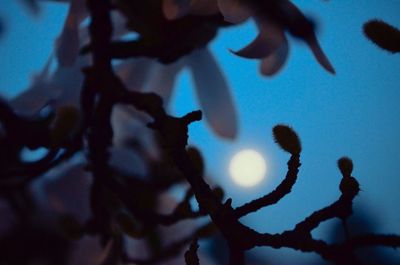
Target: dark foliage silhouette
(120, 205)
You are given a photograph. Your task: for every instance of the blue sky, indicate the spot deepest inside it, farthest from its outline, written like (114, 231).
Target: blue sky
(354, 113)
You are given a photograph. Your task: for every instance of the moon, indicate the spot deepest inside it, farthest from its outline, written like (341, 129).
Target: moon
(247, 168)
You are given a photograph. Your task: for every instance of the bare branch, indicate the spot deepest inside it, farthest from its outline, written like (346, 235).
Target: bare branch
(276, 195)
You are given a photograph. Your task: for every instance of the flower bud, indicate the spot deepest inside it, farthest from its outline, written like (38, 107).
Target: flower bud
(346, 166)
(382, 34)
(287, 139)
(349, 186)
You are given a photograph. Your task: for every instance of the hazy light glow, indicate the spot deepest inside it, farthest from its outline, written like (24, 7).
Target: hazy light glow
(247, 168)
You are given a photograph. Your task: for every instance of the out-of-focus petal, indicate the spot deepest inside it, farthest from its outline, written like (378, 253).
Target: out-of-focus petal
(174, 233)
(137, 75)
(233, 11)
(273, 63)
(37, 95)
(134, 72)
(119, 24)
(68, 192)
(174, 9)
(184, 228)
(320, 55)
(204, 7)
(127, 122)
(123, 159)
(69, 80)
(162, 79)
(302, 28)
(67, 45)
(86, 251)
(268, 40)
(32, 100)
(213, 93)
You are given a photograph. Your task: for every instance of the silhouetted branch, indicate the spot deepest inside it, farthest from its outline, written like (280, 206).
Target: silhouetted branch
(374, 240)
(341, 208)
(181, 212)
(191, 257)
(49, 132)
(240, 237)
(99, 81)
(276, 195)
(158, 184)
(118, 205)
(172, 250)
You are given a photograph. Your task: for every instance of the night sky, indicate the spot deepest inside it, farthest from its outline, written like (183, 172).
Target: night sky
(354, 113)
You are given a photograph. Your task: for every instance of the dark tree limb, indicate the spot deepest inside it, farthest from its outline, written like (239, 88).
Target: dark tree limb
(342, 208)
(191, 257)
(172, 250)
(275, 196)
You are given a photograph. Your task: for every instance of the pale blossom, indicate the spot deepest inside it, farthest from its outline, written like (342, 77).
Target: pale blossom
(273, 20)
(68, 193)
(174, 9)
(63, 85)
(65, 189)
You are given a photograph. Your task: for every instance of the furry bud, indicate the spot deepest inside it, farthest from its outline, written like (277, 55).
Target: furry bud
(382, 34)
(349, 186)
(287, 139)
(346, 166)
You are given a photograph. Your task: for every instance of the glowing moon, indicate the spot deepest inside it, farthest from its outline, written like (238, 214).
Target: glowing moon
(247, 168)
